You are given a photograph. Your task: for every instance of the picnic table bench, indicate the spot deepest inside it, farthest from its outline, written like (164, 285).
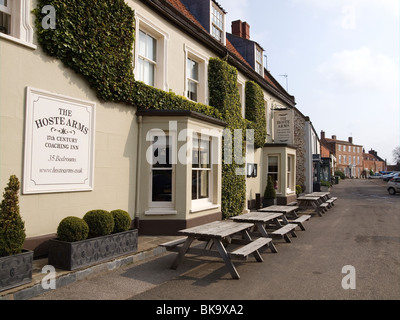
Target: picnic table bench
(221, 234)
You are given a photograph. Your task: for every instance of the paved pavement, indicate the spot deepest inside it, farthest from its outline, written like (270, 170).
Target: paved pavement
(361, 231)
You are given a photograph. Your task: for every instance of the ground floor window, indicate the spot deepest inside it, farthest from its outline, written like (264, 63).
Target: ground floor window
(201, 168)
(161, 171)
(290, 173)
(273, 171)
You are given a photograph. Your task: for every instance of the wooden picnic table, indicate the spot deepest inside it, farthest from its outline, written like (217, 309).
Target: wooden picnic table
(290, 212)
(311, 201)
(263, 220)
(217, 233)
(286, 210)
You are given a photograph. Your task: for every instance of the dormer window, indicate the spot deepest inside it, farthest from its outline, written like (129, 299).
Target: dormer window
(217, 23)
(259, 67)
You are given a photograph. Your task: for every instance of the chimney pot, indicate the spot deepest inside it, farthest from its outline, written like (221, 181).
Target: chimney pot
(245, 30)
(237, 28)
(334, 137)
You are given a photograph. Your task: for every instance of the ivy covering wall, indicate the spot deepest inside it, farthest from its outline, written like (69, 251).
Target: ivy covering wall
(96, 38)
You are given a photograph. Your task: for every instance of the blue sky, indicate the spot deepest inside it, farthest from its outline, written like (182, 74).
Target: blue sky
(342, 62)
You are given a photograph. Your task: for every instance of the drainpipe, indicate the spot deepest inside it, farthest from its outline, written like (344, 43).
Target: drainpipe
(138, 166)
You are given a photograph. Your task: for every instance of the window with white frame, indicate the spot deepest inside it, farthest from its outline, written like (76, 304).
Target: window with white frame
(147, 59)
(5, 16)
(241, 88)
(162, 176)
(290, 172)
(259, 67)
(192, 71)
(339, 147)
(151, 53)
(340, 159)
(196, 75)
(15, 21)
(217, 23)
(273, 171)
(201, 169)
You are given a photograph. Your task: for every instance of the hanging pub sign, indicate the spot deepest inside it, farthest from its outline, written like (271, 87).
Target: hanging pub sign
(284, 126)
(59, 143)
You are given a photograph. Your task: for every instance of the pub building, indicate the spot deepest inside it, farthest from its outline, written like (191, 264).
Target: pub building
(74, 152)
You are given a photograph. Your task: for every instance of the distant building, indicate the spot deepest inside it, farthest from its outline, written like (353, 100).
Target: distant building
(373, 162)
(349, 156)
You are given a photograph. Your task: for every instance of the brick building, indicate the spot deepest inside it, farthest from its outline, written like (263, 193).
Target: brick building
(373, 162)
(349, 156)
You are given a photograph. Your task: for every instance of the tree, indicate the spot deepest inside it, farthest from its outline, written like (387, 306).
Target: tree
(396, 155)
(12, 227)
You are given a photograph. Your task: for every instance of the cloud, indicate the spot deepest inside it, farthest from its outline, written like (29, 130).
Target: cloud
(360, 70)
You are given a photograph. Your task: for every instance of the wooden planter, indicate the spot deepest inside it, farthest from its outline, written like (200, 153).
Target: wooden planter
(269, 202)
(16, 270)
(74, 255)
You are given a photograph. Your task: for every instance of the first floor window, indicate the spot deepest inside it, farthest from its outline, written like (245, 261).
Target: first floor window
(201, 169)
(192, 79)
(147, 59)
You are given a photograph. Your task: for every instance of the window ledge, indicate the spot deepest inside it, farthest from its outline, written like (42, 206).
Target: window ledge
(205, 208)
(160, 212)
(18, 41)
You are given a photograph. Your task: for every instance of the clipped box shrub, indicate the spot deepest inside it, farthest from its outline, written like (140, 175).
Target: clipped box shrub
(12, 227)
(122, 220)
(72, 229)
(100, 222)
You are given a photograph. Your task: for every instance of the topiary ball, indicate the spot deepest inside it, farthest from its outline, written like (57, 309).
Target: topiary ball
(100, 222)
(122, 220)
(72, 229)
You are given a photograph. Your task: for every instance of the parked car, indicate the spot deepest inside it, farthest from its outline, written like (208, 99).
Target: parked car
(389, 176)
(393, 186)
(375, 176)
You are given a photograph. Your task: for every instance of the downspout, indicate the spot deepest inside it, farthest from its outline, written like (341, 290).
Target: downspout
(138, 166)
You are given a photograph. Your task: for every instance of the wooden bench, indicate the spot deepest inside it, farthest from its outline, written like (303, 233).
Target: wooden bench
(173, 245)
(300, 220)
(283, 232)
(252, 247)
(331, 201)
(324, 206)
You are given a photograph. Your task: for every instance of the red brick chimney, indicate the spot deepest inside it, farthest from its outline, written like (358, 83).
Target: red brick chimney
(241, 29)
(245, 30)
(322, 135)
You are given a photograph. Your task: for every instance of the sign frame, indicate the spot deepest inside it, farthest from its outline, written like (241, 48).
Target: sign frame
(59, 143)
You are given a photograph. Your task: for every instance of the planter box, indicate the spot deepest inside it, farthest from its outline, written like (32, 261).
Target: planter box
(269, 202)
(16, 270)
(74, 255)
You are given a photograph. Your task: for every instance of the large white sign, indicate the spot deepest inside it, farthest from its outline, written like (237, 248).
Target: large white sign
(59, 143)
(283, 126)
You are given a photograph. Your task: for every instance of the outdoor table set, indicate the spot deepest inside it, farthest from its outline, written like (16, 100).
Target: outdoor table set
(238, 237)
(320, 202)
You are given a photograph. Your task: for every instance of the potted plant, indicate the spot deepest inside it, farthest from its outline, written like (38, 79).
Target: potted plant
(99, 236)
(15, 262)
(299, 190)
(269, 194)
(325, 186)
